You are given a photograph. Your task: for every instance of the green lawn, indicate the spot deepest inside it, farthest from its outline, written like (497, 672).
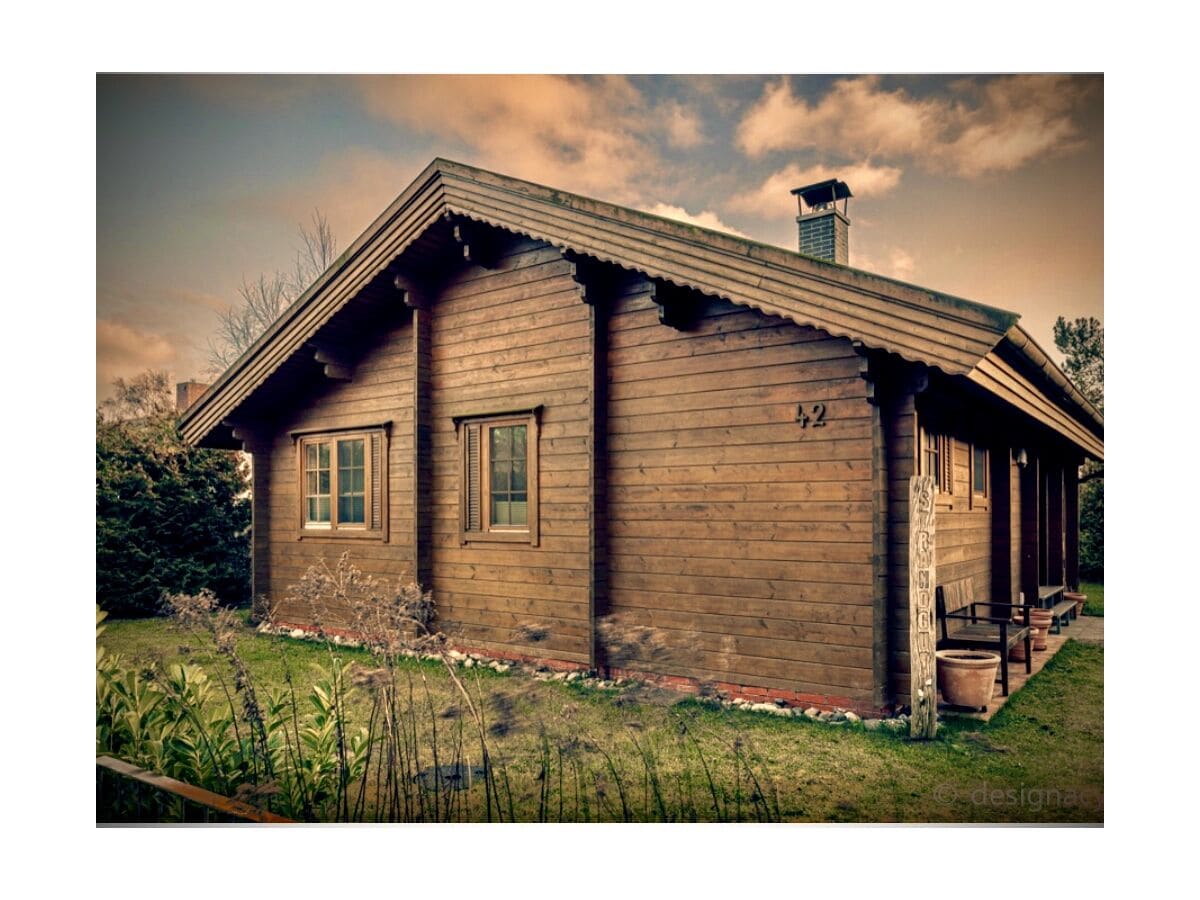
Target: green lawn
(1095, 598)
(1041, 759)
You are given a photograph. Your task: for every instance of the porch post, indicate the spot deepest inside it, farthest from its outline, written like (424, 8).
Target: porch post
(1072, 523)
(1055, 573)
(1001, 514)
(922, 616)
(1031, 509)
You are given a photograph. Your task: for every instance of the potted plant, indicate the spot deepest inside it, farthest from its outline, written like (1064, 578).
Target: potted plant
(1079, 599)
(1041, 620)
(967, 677)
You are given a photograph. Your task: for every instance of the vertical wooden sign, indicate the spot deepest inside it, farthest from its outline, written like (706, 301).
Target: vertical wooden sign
(922, 617)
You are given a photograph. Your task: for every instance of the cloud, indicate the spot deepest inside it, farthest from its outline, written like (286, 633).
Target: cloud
(992, 126)
(773, 198)
(682, 126)
(704, 219)
(123, 350)
(588, 135)
(351, 187)
(896, 263)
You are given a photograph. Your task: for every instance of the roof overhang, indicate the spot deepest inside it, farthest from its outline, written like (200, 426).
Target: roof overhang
(948, 333)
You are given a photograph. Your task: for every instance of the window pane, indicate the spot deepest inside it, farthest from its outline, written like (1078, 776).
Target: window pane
(350, 511)
(310, 456)
(323, 482)
(518, 475)
(321, 510)
(980, 470)
(502, 443)
(323, 455)
(500, 477)
(519, 511)
(500, 512)
(518, 441)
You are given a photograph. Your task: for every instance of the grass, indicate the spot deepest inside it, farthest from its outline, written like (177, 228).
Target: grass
(1095, 598)
(1041, 759)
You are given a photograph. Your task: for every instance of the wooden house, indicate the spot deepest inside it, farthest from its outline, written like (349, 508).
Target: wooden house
(557, 412)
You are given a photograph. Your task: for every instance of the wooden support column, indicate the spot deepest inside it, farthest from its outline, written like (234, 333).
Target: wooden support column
(599, 285)
(1055, 572)
(1000, 476)
(922, 614)
(870, 370)
(1031, 509)
(422, 501)
(1071, 512)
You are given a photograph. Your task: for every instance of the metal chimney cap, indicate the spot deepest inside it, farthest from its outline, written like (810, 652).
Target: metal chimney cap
(823, 192)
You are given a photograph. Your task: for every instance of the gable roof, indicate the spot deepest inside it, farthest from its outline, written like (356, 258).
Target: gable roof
(919, 325)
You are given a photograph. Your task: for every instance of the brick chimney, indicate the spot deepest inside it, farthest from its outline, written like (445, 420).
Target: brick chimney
(187, 393)
(824, 229)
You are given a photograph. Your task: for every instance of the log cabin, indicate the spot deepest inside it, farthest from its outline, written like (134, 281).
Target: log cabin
(561, 413)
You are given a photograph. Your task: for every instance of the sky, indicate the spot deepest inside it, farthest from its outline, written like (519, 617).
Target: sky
(985, 187)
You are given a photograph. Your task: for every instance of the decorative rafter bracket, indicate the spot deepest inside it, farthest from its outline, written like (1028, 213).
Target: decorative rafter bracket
(478, 247)
(335, 366)
(412, 293)
(596, 279)
(676, 308)
(866, 371)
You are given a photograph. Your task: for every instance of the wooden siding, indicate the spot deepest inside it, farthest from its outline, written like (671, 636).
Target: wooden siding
(505, 340)
(741, 539)
(381, 391)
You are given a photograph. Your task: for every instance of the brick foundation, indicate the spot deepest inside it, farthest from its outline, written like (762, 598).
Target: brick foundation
(680, 683)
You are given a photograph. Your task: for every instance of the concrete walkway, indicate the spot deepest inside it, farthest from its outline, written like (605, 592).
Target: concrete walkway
(1085, 629)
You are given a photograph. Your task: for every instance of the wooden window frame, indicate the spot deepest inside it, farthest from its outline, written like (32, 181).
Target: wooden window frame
(488, 533)
(980, 501)
(944, 477)
(336, 531)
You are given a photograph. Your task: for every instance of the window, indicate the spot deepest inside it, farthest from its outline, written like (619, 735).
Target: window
(499, 477)
(937, 459)
(341, 484)
(979, 476)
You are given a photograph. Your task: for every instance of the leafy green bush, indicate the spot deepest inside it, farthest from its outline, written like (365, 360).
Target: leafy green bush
(169, 518)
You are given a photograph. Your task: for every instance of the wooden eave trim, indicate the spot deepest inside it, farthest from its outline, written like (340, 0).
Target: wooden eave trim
(998, 378)
(1024, 344)
(992, 318)
(932, 336)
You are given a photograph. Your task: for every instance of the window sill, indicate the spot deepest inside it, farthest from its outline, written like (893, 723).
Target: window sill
(496, 537)
(342, 535)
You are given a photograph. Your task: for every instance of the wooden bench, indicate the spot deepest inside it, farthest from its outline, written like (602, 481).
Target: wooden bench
(956, 605)
(1051, 597)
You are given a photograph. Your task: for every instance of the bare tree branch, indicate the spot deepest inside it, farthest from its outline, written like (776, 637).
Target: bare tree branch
(264, 300)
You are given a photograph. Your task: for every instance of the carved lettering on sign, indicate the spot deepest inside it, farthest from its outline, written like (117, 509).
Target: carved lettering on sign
(922, 637)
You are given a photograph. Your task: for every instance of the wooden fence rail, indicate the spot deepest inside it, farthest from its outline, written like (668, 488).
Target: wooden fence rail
(125, 793)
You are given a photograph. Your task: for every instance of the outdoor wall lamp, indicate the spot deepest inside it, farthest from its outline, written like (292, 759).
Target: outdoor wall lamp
(1022, 458)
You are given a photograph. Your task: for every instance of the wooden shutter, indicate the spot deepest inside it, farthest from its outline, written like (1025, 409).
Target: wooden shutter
(377, 480)
(472, 506)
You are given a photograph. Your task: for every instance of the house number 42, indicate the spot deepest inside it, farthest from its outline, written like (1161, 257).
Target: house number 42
(810, 414)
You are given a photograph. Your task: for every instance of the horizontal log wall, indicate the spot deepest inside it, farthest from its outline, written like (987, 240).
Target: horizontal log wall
(508, 339)
(740, 542)
(381, 390)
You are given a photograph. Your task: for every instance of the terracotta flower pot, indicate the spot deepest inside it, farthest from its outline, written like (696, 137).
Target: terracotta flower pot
(1016, 653)
(1080, 600)
(1041, 620)
(967, 677)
